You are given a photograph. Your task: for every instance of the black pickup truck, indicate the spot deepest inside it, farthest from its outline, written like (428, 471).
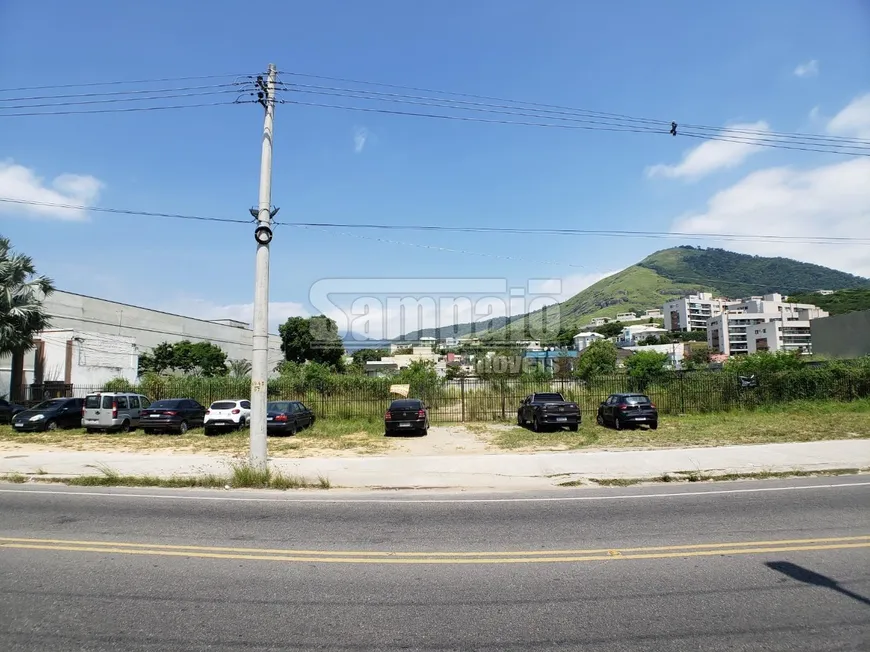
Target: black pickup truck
(548, 409)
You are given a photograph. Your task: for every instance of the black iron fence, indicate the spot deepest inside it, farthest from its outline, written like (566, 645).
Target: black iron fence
(680, 392)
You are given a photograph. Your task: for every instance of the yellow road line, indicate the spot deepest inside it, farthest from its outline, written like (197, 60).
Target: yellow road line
(4, 541)
(443, 559)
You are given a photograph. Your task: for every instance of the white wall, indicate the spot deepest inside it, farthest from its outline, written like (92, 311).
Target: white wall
(96, 358)
(78, 312)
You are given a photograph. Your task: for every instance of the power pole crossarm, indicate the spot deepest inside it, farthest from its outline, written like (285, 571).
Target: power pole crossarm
(260, 353)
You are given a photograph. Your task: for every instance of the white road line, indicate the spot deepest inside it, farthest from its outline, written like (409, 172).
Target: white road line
(401, 501)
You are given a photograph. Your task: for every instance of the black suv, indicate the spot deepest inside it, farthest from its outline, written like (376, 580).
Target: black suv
(620, 410)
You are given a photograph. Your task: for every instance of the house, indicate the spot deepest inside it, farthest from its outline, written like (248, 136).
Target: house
(627, 317)
(675, 352)
(637, 333)
(584, 339)
(399, 361)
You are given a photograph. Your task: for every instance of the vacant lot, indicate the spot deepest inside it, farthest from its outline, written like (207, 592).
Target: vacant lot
(334, 437)
(794, 422)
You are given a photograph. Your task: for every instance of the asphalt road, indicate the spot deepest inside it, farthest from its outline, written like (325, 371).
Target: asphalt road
(779, 565)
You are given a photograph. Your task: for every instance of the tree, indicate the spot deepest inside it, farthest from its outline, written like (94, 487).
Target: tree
(645, 367)
(610, 329)
(314, 339)
(188, 357)
(22, 292)
(764, 362)
(696, 357)
(240, 368)
(596, 359)
(361, 356)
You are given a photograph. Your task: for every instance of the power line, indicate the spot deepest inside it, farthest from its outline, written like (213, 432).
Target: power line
(123, 211)
(117, 82)
(737, 237)
(556, 108)
(236, 91)
(175, 89)
(127, 110)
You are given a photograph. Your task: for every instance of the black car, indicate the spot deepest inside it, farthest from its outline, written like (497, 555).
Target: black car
(50, 415)
(407, 415)
(172, 415)
(9, 410)
(620, 410)
(548, 409)
(286, 417)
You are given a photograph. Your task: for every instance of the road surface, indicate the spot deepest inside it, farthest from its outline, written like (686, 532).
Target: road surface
(781, 565)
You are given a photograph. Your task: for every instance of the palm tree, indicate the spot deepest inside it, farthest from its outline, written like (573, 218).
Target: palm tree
(21, 296)
(240, 368)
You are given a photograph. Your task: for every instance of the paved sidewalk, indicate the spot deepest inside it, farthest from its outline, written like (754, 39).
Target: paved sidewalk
(504, 471)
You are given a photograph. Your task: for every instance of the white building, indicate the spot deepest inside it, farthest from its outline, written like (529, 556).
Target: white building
(628, 316)
(584, 339)
(397, 362)
(691, 313)
(598, 321)
(654, 313)
(675, 352)
(734, 332)
(773, 336)
(633, 335)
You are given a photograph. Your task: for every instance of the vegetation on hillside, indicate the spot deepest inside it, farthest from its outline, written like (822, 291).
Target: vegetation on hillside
(739, 275)
(838, 303)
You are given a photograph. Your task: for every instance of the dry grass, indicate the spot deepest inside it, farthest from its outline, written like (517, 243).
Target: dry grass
(357, 436)
(794, 422)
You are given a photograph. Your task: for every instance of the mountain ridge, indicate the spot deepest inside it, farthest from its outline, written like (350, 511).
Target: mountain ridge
(660, 277)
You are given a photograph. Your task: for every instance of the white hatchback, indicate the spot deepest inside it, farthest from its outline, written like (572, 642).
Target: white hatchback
(227, 415)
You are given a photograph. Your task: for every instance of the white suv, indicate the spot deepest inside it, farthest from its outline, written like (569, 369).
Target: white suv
(227, 415)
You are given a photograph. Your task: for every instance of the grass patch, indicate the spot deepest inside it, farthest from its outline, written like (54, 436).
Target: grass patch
(358, 435)
(243, 476)
(696, 476)
(799, 421)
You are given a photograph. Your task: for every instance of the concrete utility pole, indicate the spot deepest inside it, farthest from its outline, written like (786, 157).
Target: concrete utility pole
(263, 235)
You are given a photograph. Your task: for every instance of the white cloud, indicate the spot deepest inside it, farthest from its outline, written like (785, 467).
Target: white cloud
(808, 69)
(854, 120)
(22, 183)
(279, 311)
(713, 155)
(360, 136)
(830, 200)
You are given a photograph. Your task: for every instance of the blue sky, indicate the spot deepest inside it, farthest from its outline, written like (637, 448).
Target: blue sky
(789, 66)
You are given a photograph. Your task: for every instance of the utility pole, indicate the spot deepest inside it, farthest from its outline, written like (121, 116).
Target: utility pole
(263, 236)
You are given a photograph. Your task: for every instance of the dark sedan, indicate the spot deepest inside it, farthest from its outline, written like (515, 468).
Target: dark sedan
(407, 415)
(172, 415)
(50, 415)
(620, 410)
(9, 410)
(287, 417)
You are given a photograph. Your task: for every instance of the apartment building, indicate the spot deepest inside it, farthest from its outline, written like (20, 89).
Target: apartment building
(691, 313)
(764, 323)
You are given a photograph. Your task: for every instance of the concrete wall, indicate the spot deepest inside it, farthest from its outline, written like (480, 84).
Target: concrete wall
(78, 312)
(842, 336)
(88, 359)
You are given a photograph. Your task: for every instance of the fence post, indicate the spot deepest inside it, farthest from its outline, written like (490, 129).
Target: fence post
(682, 396)
(462, 397)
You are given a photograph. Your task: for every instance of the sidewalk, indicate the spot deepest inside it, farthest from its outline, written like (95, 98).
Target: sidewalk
(506, 471)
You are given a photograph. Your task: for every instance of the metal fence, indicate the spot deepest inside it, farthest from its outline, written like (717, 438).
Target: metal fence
(684, 392)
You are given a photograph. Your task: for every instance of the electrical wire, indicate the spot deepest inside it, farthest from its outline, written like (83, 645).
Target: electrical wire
(123, 211)
(235, 91)
(556, 108)
(118, 82)
(175, 89)
(127, 110)
(737, 237)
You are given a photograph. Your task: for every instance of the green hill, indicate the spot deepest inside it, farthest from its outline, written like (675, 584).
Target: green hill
(838, 303)
(678, 272)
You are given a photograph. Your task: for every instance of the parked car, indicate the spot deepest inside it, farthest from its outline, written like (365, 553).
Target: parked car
(50, 415)
(227, 415)
(9, 410)
(172, 415)
(113, 411)
(407, 415)
(287, 417)
(544, 409)
(621, 410)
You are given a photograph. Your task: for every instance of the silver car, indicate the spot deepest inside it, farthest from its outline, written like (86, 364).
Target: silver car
(113, 411)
